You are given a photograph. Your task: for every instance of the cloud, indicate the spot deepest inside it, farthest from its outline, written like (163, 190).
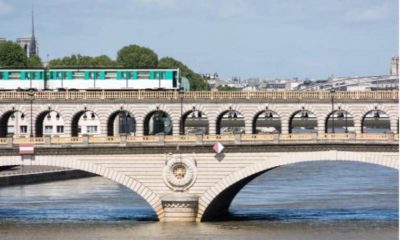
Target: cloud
(234, 8)
(158, 3)
(5, 8)
(371, 14)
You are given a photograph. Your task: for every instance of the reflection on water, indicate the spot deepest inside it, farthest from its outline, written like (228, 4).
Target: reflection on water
(339, 200)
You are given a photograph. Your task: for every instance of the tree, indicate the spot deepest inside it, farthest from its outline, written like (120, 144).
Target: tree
(103, 61)
(195, 80)
(227, 88)
(134, 56)
(35, 62)
(12, 55)
(79, 61)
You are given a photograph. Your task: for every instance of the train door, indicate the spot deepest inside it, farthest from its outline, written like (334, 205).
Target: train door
(175, 79)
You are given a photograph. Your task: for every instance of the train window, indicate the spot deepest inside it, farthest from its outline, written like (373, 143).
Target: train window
(61, 75)
(143, 75)
(1, 75)
(159, 75)
(126, 75)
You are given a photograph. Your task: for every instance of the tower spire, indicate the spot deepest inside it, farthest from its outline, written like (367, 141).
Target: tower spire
(32, 47)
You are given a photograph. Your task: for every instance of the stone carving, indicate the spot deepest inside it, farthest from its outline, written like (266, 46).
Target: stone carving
(179, 172)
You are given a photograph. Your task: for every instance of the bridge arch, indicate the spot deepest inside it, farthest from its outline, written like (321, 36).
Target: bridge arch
(54, 118)
(342, 121)
(156, 122)
(266, 119)
(19, 117)
(194, 121)
(375, 121)
(230, 121)
(74, 163)
(85, 115)
(217, 199)
(126, 123)
(303, 121)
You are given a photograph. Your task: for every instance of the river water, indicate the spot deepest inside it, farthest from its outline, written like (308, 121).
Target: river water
(320, 200)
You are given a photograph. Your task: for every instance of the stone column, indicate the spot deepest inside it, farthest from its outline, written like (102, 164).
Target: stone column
(180, 207)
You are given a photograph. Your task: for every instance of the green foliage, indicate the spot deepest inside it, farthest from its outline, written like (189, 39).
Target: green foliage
(35, 62)
(134, 56)
(226, 88)
(79, 61)
(197, 83)
(12, 55)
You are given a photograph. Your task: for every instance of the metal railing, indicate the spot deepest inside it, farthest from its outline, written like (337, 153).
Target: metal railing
(103, 94)
(191, 139)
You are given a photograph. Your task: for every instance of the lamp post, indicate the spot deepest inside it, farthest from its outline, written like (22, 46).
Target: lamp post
(333, 107)
(181, 93)
(31, 95)
(345, 117)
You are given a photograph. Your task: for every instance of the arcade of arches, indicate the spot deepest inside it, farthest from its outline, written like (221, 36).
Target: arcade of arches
(194, 121)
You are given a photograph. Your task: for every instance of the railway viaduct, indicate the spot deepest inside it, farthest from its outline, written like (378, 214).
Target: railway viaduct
(180, 175)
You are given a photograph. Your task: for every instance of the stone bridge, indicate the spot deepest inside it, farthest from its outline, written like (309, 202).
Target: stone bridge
(185, 180)
(177, 172)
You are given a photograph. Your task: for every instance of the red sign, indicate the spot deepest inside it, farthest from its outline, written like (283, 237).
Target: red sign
(26, 149)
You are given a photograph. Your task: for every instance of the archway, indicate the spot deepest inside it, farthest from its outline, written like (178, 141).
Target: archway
(49, 122)
(266, 121)
(85, 122)
(215, 202)
(194, 122)
(121, 123)
(157, 122)
(119, 177)
(339, 121)
(14, 122)
(375, 121)
(303, 121)
(230, 121)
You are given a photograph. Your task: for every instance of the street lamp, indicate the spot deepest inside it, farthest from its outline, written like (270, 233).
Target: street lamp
(31, 94)
(333, 107)
(181, 94)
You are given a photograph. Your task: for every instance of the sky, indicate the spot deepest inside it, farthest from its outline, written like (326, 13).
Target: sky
(245, 38)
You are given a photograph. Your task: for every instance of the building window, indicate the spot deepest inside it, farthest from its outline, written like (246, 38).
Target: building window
(23, 129)
(10, 130)
(48, 129)
(91, 129)
(60, 129)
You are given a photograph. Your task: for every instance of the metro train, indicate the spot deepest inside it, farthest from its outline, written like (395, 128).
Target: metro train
(89, 79)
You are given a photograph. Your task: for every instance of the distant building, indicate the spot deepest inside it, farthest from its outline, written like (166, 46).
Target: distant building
(29, 44)
(2, 40)
(394, 66)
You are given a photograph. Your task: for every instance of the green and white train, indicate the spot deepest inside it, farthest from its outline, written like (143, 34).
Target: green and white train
(89, 79)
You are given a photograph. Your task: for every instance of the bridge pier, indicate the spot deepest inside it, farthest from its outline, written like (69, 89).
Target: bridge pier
(180, 207)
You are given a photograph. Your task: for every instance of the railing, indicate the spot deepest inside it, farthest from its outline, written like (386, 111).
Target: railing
(36, 140)
(103, 139)
(257, 137)
(297, 137)
(142, 139)
(219, 138)
(233, 138)
(336, 136)
(66, 140)
(3, 141)
(181, 138)
(316, 95)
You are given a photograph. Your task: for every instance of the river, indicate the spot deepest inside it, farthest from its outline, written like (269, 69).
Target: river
(320, 200)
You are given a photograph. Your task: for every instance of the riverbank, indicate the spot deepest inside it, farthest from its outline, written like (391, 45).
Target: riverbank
(20, 175)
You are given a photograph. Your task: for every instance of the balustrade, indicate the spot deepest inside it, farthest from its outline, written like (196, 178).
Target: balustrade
(237, 138)
(103, 94)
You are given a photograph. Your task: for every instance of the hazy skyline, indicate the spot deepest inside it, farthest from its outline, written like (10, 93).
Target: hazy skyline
(273, 39)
